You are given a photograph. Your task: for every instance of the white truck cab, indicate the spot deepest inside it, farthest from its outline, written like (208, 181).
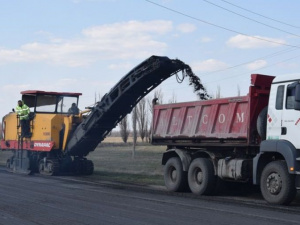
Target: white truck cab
(283, 118)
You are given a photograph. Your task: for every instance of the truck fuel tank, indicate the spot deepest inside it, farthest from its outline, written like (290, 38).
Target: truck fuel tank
(237, 169)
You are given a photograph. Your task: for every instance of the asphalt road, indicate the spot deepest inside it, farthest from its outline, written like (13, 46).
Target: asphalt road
(71, 200)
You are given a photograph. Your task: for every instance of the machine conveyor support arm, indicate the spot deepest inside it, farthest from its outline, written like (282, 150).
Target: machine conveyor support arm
(119, 101)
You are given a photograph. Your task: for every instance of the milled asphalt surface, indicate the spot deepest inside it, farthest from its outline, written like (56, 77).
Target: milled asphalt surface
(80, 200)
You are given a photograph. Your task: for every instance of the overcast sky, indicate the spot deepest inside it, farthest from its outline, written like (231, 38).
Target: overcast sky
(88, 45)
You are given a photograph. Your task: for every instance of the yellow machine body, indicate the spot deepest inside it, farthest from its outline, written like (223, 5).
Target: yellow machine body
(52, 119)
(54, 128)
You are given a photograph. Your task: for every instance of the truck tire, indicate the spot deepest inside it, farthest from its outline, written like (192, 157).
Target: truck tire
(276, 184)
(174, 176)
(201, 177)
(261, 123)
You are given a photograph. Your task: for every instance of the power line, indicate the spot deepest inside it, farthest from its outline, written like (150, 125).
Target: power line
(269, 18)
(245, 63)
(253, 70)
(256, 21)
(231, 30)
(218, 26)
(274, 54)
(246, 73)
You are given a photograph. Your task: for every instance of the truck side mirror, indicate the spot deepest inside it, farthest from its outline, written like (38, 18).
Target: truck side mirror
(297, 97)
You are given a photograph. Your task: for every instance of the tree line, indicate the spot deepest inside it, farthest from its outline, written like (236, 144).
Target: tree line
(138, 123)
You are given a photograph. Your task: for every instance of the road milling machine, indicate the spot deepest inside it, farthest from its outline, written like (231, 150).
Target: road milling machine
(60, 142)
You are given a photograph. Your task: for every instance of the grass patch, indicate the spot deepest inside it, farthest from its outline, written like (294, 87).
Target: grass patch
(113, 162)
(128, 178)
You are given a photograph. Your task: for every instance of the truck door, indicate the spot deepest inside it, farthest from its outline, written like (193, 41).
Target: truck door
(290, 117)
(275, 108)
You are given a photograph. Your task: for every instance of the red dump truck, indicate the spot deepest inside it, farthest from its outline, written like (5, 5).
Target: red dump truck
(253, 138)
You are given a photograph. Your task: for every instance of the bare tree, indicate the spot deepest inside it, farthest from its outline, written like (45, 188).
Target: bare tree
(173, 98)
(156, 99)
(148, 132)
(134, 130)
(124, 129)
(150, 103)
(115, 133)
(238, 90)
(99, 97)
(142, 118)
(218, 93)
(159, 95)
(1, 137)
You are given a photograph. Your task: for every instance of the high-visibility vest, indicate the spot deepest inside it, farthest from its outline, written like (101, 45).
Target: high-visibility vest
(23, 112)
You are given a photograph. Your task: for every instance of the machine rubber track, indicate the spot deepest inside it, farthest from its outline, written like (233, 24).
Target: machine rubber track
(117, 103)
(50, 167)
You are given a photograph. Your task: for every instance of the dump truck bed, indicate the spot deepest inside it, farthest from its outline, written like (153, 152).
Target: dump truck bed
(217, 122)
(220, 120)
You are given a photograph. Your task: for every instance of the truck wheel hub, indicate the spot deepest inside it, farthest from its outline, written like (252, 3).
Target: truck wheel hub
(199, 176)
(173, 173)
(274, 183)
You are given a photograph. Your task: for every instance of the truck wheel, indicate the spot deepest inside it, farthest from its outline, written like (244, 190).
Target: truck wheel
(175, 177)
(276, 184)
(261, 123)
(201, 177)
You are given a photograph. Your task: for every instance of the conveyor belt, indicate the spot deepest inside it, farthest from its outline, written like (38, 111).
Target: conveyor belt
(117, 103)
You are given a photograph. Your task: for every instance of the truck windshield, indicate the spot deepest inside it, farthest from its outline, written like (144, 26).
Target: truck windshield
(54, 103)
